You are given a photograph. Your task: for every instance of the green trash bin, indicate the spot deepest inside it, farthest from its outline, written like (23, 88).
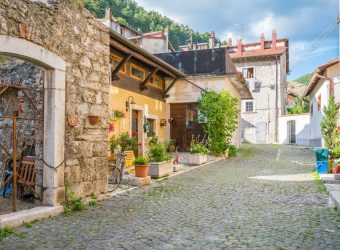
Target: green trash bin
(321, 154)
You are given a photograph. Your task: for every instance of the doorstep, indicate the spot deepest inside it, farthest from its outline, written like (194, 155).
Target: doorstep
(26, 216)
(334, 192)
(131, 179)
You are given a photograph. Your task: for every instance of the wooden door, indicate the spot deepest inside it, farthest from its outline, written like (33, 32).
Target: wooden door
(185, 125)
(134, 127)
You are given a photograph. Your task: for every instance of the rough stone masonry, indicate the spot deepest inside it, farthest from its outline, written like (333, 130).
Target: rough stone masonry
(68, 30)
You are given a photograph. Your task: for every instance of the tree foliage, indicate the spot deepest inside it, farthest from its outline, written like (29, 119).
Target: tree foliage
(328, 123)
(219, 112)
(128, 12)
(301, 106)
(305, 79)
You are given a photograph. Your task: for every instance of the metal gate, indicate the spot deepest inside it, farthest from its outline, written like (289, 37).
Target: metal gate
(19, 162)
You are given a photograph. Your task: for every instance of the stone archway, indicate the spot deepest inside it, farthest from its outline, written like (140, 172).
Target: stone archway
(54, 111)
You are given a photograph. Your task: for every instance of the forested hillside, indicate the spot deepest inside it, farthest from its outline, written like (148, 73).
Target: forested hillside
(305, 78)
(128, 12)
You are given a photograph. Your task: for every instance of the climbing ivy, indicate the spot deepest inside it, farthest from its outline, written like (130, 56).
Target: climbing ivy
(219, 114)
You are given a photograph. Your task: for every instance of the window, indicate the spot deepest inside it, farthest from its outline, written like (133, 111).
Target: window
(152, 131)
(249, 106)
(115, 61)
(248, 72)
(311, 109)
(157, 82)
(189, 116)
(137, 72)
(319, 102)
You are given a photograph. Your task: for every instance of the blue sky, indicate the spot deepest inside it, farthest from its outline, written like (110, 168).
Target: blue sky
(301, 21)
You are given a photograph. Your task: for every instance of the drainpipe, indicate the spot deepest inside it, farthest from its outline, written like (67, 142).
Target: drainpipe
(276, 101)
(331, 83)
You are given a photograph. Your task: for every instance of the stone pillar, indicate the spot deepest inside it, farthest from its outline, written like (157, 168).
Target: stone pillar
(54, 137)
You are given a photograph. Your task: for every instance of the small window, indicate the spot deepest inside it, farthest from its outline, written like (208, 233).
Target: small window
(319, 102)
(137, 72)
(189, 116)
(248, 72)
(151, 123)
(311, 109)
(250, 106)
(157, 82)
(115, 61)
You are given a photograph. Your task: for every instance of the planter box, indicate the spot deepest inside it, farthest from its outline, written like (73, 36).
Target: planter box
(160, 169)
(197, 159)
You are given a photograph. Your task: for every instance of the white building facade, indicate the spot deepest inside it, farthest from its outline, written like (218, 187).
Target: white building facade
(264, 66)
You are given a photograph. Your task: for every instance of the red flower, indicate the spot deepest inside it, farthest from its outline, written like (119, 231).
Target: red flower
(134, 133)
(140, 144)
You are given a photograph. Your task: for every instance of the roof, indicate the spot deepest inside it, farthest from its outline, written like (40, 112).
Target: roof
(319, 71)
(201, 62)
(135, 48)
(258, 52)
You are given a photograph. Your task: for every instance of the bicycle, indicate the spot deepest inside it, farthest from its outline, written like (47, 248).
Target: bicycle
(117, 168)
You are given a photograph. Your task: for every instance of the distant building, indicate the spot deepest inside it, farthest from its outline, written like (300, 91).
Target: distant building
(210, 69)
(153, 42)
(264, 65)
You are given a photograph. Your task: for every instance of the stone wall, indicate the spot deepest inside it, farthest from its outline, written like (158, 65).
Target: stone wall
(69, 31)
(29, 131)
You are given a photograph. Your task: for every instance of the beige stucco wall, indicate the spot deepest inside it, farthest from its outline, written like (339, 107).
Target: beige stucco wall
(184, 92)
(148, 107)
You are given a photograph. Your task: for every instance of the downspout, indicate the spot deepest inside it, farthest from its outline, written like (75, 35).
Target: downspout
(331, 83)
(276, 101)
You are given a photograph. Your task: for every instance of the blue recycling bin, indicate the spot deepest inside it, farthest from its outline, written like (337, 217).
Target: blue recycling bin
(322, 167)
(321, 154)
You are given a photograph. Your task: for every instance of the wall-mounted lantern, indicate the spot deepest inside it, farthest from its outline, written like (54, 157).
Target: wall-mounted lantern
(128, 103)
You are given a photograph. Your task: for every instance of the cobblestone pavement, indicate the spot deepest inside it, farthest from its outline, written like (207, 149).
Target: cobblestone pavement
(213, 207)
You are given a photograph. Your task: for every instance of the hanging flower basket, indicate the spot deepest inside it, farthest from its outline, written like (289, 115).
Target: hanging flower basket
(94, 119)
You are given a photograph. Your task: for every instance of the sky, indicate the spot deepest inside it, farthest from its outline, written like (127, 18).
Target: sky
(303, 22)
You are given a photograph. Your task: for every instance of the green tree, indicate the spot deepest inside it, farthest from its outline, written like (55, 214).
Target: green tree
(305, 79)
(301, 106)
(130, 13)
(328, 123)
(219, 112)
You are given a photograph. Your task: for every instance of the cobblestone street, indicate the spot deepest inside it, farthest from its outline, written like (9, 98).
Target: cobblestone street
(213, 207)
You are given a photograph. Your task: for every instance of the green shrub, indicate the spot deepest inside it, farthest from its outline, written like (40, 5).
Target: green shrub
(219, 114)
(140, 161)
(5, 232)
(157, 153)
(197, 147)
(124, 142)
(232, 150)
(335, 153)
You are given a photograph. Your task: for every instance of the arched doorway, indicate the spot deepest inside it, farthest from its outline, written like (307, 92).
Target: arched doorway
(54, 111)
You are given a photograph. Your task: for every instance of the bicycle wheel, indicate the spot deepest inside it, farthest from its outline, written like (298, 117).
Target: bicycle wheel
(116, 178)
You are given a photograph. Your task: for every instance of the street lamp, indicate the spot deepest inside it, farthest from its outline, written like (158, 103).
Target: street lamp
(128, 103)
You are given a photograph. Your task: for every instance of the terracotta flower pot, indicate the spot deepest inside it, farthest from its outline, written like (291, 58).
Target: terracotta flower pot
(94, 119)
(141, 170)
(336, 169)
(172, 148)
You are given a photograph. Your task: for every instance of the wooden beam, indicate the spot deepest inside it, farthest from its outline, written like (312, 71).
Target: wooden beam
(146, 80)
(165, 93)
(120, 65)
(3, 90)
(139, 57)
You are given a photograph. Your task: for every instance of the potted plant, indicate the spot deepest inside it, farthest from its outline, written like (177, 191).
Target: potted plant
(141, 167)
(94, 119)
(335, 155)
(171, 145)
(198, 153)
(160, 164)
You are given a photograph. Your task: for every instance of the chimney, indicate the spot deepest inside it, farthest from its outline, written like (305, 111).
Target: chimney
(108, 14)
(274, 39)
(239, 47)
(212, 40)
(230, 42)
(262, 41)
